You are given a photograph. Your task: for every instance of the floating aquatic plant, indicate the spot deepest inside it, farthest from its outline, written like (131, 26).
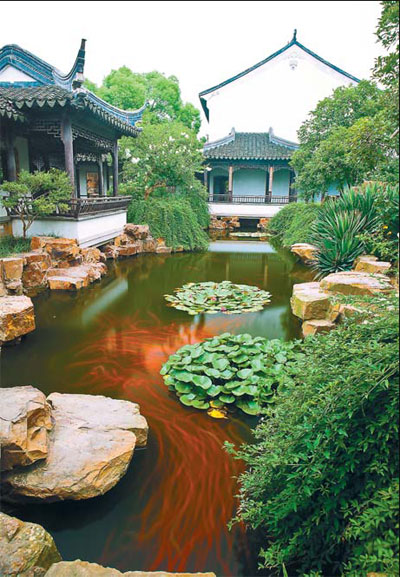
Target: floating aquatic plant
(229, 371)
(213, 298)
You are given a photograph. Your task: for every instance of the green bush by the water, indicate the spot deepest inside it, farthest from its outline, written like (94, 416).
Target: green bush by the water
(171, 218)
(13, 245)
(322, 476)
(292, 224)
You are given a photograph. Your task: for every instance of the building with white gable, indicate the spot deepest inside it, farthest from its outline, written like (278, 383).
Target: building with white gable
(279, 91)
(249, 165)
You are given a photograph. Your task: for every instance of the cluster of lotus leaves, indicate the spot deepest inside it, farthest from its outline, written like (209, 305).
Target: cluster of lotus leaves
(228, 371)
(213, 298)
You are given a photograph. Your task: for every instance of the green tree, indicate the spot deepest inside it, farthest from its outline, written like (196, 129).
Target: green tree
(165, 158)
(387, 67)
(129, 90)
(36, 195)
(330, 153)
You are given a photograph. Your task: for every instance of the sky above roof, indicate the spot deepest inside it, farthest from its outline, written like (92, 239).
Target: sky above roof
(202, 43)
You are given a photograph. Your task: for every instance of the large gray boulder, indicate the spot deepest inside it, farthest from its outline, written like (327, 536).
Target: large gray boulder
(91, 445)
(25, 422)
(26, 549)
(84, 569)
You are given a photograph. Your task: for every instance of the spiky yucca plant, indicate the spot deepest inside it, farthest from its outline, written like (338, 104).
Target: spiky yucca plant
(336, 232)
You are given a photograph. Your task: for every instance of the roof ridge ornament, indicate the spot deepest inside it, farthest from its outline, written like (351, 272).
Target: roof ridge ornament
(75, 78)
(294, 39)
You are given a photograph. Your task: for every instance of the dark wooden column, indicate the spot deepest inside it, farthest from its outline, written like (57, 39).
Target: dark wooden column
(101, 176)
(78, 181)
(10, 156)
(68, 142)
(115, 168)
(205, 178)
(292, 192)
(107, 177)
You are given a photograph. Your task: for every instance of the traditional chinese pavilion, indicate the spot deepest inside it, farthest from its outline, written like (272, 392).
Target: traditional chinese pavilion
(48, 119)
(248, 169)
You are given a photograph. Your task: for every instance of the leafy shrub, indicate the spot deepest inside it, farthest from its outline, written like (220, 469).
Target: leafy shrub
(36, 195)
(292, 224)
(228, 370)
(197, 197)
(299, 230)
(13, 245)
(383, 242)
(171, 218)
(225, 297)
(322, 475)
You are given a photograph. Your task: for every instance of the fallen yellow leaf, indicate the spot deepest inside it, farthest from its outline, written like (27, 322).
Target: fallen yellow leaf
(217, 414)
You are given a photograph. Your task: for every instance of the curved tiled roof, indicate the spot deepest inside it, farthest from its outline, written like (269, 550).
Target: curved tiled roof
(48, 87)
(8, 110)
(250, 146)
(21, 99)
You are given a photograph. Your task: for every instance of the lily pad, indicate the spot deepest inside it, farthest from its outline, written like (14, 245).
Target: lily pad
(230, 371)
(213, 298)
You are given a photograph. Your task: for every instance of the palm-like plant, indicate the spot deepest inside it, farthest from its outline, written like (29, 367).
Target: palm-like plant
(336, 232)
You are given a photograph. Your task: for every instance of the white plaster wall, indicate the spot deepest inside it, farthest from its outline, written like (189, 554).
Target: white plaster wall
(249, 182)
(273, 95)
(244, 210)
(21, 144)
(88, 231)
(280, 184)
(11, 74)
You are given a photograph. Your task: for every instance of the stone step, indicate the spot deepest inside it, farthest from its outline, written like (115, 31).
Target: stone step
(309, 301)
(356, 283)
(317, 326)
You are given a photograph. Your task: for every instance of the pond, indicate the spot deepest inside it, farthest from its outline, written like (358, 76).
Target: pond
(170, 512)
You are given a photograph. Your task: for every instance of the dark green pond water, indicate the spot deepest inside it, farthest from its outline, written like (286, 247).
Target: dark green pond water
(170, 512)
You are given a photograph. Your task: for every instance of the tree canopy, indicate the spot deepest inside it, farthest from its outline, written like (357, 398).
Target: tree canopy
(130, 90)
(350, 136)
(164, 158)
(345, 140)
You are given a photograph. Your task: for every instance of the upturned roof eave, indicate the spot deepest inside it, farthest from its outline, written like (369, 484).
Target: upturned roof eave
(44, 75)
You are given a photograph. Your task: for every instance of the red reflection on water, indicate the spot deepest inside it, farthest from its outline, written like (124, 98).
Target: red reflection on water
(189, 496)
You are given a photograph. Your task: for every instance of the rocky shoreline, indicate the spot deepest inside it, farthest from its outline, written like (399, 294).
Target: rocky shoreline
(60, 264)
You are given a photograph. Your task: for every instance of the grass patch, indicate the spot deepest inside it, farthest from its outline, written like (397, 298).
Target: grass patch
(10, 245)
